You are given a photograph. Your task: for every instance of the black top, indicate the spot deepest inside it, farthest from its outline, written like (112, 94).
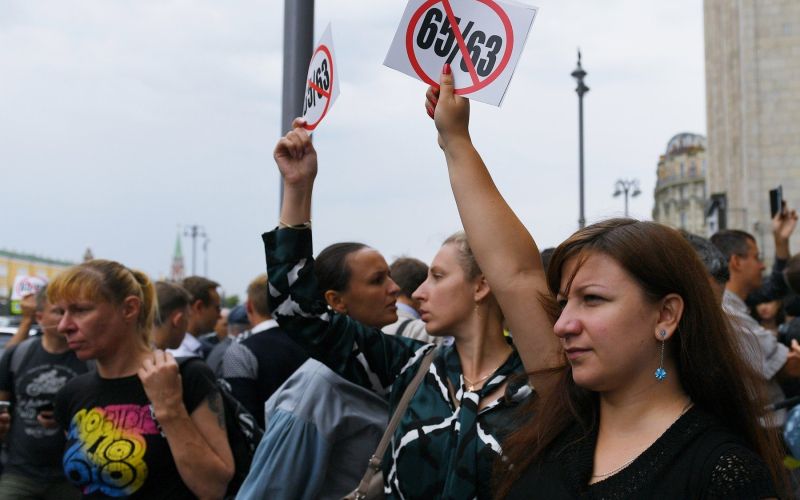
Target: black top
(256, 364)
(33, 376)
(115, 447)
(697, 457)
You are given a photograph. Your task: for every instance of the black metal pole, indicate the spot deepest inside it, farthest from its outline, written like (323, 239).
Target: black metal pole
(205, 256)
(194, 249)
(581, 216)
(626, 202)
(581, 89)
(193, 232)
(298, 43)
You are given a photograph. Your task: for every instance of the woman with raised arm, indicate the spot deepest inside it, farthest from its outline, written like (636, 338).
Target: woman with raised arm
(137, 427)
(448, 438)
(321, 428)
(654, 400)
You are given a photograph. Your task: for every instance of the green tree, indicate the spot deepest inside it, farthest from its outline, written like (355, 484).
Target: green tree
(230, 301)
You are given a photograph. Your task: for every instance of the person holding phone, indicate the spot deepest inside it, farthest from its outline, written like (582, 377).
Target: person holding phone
(746, 287)
(31, 373)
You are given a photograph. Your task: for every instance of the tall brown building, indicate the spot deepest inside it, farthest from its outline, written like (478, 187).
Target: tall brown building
(753, 109)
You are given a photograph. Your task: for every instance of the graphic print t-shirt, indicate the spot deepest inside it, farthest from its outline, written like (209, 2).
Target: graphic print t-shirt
(114, 445)
(33, 450)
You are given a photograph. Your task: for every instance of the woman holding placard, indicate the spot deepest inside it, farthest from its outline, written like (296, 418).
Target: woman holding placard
(654, 399)
(448, 438)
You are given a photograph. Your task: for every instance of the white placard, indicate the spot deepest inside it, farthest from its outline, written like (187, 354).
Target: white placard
(491, 32)
(26, 285)
(322, 82)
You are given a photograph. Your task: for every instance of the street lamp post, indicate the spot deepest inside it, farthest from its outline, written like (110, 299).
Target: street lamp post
(298, 43)
(206, 241)
(581, 89)
(193, 232)
(628, 187)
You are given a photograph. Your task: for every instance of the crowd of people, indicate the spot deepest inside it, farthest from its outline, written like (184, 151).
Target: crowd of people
(632, 361)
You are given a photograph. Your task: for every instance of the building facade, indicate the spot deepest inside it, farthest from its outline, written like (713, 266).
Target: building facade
(752, 50)
(680, 194)
(13, 264)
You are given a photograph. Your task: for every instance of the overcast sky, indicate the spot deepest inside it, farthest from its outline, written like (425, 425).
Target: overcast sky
(122, 121)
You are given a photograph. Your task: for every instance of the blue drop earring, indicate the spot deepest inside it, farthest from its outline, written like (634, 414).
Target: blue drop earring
(661, 373)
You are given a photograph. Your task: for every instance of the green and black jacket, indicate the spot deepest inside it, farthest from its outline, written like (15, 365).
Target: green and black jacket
(444, 447)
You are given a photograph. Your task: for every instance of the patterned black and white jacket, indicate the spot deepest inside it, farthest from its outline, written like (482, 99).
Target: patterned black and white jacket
(444, 447)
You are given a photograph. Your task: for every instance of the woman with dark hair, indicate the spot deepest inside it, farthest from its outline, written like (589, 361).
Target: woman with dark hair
(137, 427)
(770, 315)
(322, 429)
(449, 435)
(655, 400)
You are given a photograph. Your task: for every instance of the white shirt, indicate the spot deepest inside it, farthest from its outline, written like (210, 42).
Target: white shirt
(261, 327)
(189, 348)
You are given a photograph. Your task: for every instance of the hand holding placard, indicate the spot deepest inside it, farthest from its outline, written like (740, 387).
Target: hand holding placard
(482, 40)
(322, 82)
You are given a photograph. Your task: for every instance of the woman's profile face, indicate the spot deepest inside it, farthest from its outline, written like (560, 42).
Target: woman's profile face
(607, 325)
(446, 297)
(92, 328)
(371, 295)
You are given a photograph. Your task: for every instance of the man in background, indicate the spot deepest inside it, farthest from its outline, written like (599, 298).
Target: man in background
(260, 360)
(172, 319)
(409, 273)
(31, 373)
(204, 310)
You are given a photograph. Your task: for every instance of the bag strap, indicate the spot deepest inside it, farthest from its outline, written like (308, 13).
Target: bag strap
(376, 460)
(22, 353)
(402, 327)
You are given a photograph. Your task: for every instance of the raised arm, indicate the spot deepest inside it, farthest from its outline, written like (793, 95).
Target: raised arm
(355, 351)
(297, 161)
(28, 306)
(504, 249)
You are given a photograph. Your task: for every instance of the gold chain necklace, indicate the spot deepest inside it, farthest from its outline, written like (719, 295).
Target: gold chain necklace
(684, 410)
(472, 385)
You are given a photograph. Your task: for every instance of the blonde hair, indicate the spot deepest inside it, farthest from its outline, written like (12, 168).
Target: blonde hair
(107, 281)
(258, 294)
(465, 257)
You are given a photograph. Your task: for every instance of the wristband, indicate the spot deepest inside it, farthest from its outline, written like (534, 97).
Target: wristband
(304, 225)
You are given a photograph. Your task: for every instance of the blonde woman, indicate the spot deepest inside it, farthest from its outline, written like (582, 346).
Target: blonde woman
(137, 427)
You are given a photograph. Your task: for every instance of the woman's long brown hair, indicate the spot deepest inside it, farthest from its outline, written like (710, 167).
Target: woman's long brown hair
(709, 360)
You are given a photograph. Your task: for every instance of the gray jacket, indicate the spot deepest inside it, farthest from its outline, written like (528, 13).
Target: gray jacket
(320, 433)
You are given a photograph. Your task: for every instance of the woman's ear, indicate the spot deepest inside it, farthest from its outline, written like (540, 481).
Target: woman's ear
(669, 315)
(482, 289)
(336, 301)
(130, 308)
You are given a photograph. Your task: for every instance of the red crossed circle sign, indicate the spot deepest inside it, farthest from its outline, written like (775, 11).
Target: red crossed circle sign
(326, 94)
(27, 286)
(477, 83)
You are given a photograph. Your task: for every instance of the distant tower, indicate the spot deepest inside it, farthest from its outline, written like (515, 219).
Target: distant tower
(88, 255)
(176, 271)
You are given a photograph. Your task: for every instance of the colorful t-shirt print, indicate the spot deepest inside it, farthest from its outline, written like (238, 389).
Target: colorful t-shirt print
(108, 449)
(115, 447)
